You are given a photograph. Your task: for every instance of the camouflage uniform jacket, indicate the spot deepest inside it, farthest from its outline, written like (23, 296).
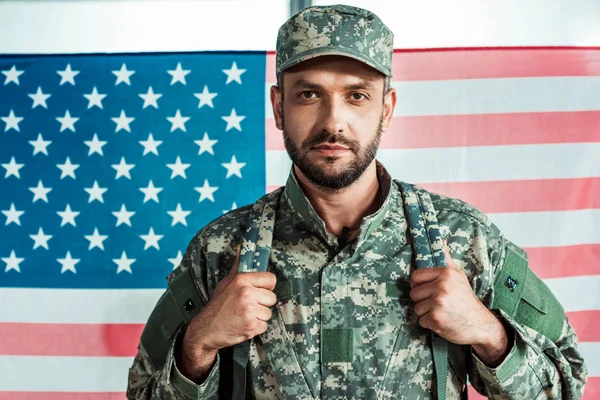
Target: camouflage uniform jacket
(344, 327)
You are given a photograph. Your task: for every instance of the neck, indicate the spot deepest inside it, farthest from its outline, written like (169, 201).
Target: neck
(345, 207)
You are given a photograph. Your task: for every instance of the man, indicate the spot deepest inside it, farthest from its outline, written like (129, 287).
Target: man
(341, 311)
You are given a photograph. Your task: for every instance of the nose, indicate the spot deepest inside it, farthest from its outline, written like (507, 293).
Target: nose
(332, 116)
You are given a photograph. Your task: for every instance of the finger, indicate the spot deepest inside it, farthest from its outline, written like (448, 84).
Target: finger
(265, 280)
(423, 307)
(236, 262)
(422, 292)
(449, 261)
(262, 328)
(263, 313)
(265, 297)
(424, 275)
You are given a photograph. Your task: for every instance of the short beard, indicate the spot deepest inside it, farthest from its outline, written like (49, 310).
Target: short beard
(317, 175)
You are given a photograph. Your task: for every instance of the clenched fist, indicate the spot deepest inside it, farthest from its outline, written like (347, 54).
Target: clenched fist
(237, 311)
(446, 304)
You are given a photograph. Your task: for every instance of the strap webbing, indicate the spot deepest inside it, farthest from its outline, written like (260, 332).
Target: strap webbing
(428, 249)
(254, 257)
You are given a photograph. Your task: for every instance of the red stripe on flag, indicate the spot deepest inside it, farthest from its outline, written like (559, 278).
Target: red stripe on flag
(478, 130)
(524, 195)
(29, 339)
(62, 395)
(416, 65)
(586, 324)
(558, 262)
(481, 63)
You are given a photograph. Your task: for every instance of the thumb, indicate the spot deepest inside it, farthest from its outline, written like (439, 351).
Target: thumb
(449, 261)
(236, 262)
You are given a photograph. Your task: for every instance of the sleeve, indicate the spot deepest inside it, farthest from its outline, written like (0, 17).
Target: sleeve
(151, 378)
(536, 366)
(145, 381)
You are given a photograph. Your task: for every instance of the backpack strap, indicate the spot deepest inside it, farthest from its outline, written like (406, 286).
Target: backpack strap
(254, 257)
(428, 249)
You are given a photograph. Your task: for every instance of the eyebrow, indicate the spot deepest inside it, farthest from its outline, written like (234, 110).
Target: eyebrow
(306, 84)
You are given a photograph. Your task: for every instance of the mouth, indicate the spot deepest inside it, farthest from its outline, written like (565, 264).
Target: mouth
(331, 149)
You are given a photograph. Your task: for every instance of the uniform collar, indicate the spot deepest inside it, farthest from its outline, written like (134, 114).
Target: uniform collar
(307, 215)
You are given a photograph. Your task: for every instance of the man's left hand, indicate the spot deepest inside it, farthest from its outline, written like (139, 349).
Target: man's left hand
(446, 304)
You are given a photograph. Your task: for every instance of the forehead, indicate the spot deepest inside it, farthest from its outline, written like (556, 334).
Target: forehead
(333, 68)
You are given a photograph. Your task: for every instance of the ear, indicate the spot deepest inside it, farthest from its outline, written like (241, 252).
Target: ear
(389, 104)
(277, 105)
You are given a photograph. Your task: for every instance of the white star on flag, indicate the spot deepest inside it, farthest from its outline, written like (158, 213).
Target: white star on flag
(179, 215)
(123, 75)
(68, 75)
(233, 121)
(234, 167)
(95, 145)
(68, 216)
(68, 263)
(206, 191)
(178, 169)
(40, 240)
(123, 216)
(67, 122)
(150, 98)
(178, 74)
(39, 98)
(12, 75)
(96, 240)
(177, 260)
(234, 74)
(123, 169)
(12, 262)
(12, 168)
(96, 193)
(12, 121)
(122, 122)
(13, 215)
(178, 122)
(40, 145)
(40, 192)
(151, 239)
(206, 144)
(233, 207)
(94, 98)
(205, 98)
(151, 192)
(150, 145)
(124, 263)
(67, 169)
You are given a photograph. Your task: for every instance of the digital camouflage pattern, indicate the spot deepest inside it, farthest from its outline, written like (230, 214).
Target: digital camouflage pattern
(335, 30)
(344, 327)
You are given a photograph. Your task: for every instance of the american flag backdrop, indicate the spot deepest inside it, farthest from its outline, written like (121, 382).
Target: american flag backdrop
(111, 163)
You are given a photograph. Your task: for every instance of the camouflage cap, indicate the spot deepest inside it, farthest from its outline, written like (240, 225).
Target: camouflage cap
(335, 30)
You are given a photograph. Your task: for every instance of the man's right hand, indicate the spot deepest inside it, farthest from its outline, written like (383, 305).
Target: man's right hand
(237, 311)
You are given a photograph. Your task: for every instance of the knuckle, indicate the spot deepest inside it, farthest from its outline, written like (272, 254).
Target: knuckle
(246, 293)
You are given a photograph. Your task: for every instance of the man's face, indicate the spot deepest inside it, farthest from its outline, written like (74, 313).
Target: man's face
(332, 114)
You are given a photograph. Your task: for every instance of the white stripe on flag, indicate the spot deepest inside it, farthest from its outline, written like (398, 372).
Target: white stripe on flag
(491, 96)
(578, 293)
(64, 374)
(74, 306)
(473, 164)
(73, 374)
(550, 228)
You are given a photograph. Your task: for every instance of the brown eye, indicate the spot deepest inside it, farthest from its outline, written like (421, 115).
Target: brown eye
(308, 94)
(358, 96)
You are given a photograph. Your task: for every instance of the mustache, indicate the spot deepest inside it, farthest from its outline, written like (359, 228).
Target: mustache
(328, 138)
